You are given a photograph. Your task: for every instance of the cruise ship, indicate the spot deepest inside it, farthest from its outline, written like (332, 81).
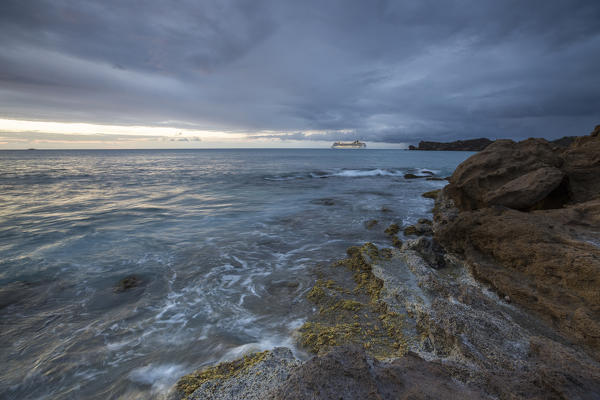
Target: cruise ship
(349, 145)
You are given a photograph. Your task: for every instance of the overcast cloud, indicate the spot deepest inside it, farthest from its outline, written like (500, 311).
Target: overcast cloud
(382, 71)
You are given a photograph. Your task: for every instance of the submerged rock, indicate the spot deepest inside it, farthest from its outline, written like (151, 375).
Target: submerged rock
(371, 223)
(413, 176)
(127, 283)
(324, 202)
(432, 194)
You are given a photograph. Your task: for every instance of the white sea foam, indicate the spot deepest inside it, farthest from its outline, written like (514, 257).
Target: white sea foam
(357, 173)
(159, 376)
(345, 173)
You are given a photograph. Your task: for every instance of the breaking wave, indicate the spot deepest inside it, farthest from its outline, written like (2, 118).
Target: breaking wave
(351, 173)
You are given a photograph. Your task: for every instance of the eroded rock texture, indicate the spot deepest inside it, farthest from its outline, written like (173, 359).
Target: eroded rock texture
(547, 259)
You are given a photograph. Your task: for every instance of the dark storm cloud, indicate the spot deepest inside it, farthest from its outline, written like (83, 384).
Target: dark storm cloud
(384, 71)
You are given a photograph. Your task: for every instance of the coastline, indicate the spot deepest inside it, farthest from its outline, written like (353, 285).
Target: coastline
(467, 306)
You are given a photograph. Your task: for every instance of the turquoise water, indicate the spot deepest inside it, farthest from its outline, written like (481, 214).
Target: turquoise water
(223, 242)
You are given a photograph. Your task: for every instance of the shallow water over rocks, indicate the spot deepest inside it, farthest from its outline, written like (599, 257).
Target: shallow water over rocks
(221, 243)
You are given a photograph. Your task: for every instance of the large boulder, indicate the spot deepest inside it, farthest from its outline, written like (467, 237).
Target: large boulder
(532, 174)
(526, 191)
(481, 177)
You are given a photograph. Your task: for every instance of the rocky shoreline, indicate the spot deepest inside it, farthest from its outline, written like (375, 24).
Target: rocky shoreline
(498, 297)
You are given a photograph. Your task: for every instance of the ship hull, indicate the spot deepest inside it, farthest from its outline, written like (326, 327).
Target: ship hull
(356, 146)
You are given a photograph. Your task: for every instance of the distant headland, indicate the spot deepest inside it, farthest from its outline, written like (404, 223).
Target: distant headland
(458, 145)
(475, 144)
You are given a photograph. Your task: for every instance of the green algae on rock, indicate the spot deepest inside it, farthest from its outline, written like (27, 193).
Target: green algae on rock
(432, 194)
(189, 383)
(392, 229)
(253, 377)
(354, 315)
(410, 230)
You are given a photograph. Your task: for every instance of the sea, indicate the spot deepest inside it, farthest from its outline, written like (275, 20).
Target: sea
(221, 247)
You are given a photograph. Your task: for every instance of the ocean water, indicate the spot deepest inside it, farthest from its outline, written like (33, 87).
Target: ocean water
(224, 243)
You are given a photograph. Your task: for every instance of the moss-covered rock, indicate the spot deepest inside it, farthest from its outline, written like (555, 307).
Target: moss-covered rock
(354, 316)
(432, 194)
(410, 230)
(252, 377)
(189, 383)
(392, 229)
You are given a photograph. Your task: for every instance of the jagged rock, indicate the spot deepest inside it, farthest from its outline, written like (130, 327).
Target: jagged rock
(348, 373)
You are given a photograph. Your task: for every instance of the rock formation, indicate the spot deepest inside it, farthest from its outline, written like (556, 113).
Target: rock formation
(526, 218)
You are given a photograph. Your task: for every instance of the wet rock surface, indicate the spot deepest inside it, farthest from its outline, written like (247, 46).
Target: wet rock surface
(348, 373)
(251, 378)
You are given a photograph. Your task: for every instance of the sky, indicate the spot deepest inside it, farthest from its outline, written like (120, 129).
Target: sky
(276, 73)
